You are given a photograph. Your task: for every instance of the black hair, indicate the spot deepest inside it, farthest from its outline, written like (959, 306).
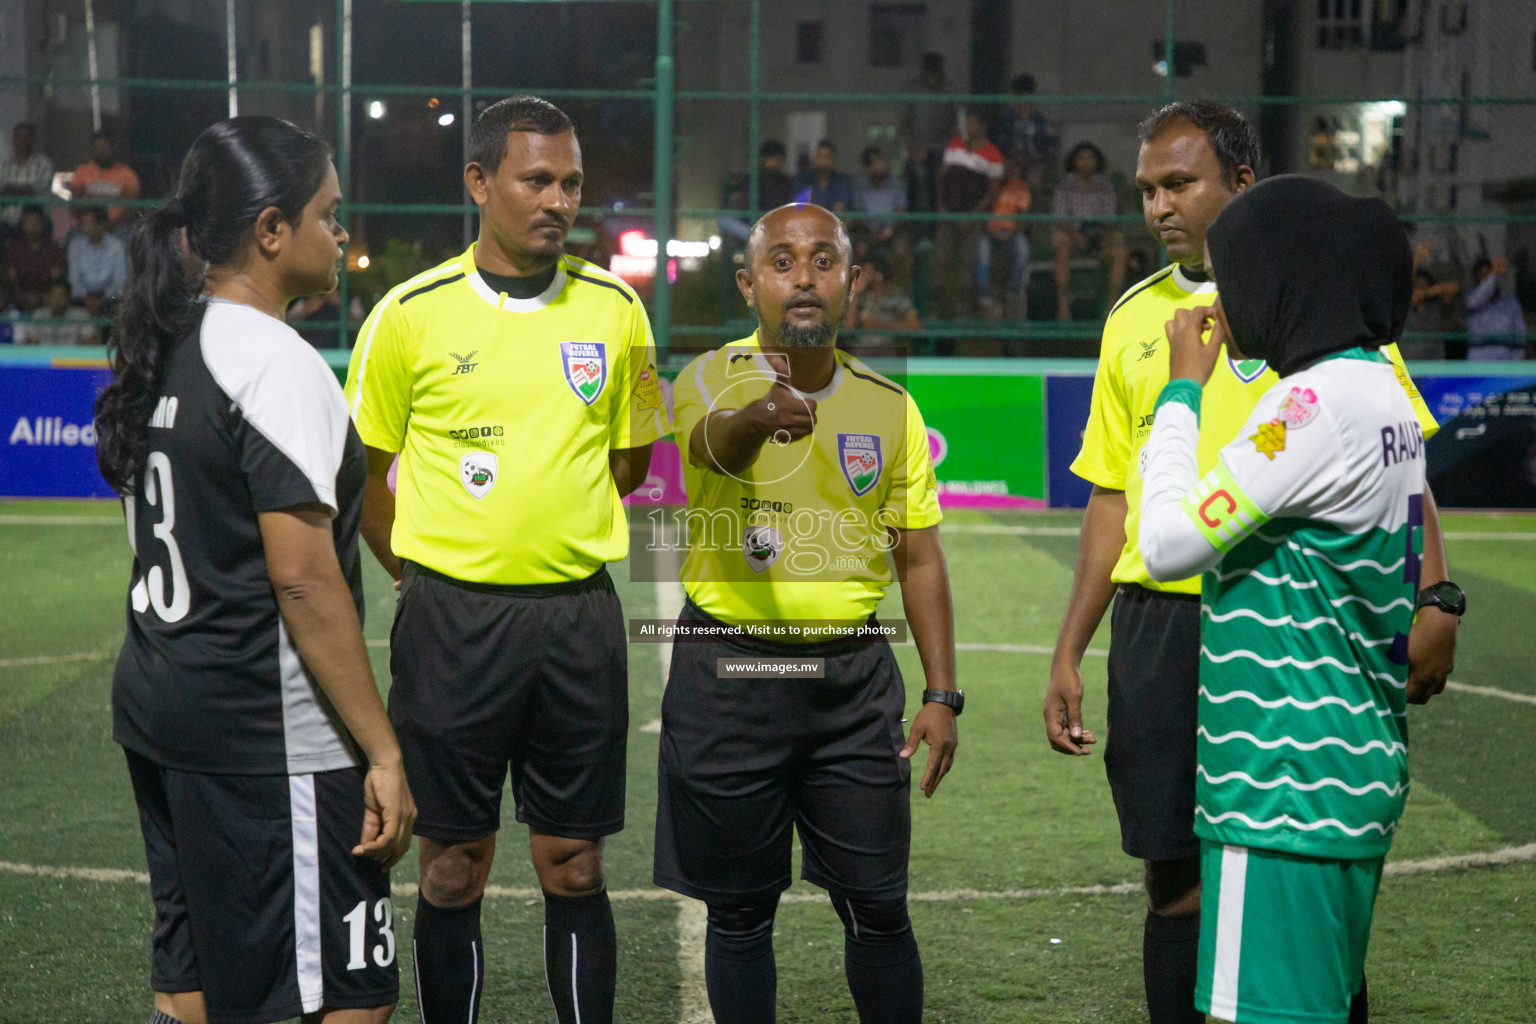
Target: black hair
(1426, 275)
(1022, 85)
(32, 208)
(488, 136)
(1480, 263)
(827, 144)
(1232, 138)
(99, 212)
(879, 261)
(870, 152)
(234, 170)
(1098, 154)
(101, 133)
(933, 61)
(773, 147)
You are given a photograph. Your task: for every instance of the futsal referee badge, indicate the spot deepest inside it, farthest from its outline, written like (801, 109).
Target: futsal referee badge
(477, 471)
(760, 545)
(860, 457)
(586, 368)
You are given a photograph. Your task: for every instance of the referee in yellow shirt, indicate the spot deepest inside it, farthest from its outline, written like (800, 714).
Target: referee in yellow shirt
(518, 387)
(1194, 158)
(809, 489)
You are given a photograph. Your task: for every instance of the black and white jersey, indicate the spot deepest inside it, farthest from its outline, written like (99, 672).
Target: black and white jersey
(251, 419)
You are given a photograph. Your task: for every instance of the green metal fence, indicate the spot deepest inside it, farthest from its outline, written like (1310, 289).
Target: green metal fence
(664, 95)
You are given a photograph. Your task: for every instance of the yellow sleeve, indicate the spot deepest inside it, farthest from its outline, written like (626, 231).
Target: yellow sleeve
(639, 412)
(379, 378)
(1106, 453)
(694, 396)
(913, 500)
(1426, 418)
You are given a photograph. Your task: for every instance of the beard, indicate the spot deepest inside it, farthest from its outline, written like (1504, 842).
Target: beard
(823, 335)
(820, 336)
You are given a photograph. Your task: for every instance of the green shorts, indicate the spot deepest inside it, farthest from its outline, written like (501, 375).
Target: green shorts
(1282, 938)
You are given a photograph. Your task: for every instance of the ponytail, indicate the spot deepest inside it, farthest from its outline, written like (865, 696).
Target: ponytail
(159, 308)
(235, 169)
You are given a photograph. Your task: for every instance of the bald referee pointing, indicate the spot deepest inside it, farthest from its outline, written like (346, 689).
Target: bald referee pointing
(517, 385)
(809, 489)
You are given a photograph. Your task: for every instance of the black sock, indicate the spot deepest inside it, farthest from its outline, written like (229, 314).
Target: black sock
(1360, 1005)
(1170, 956)
(161, 1017)
(739, 970)
(880, 958)
(450, 961)
(580, 957)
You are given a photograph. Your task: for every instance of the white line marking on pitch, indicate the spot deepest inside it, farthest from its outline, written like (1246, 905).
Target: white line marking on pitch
(692, 915)
(1395, 868)
(55, 659)
(1489, 691)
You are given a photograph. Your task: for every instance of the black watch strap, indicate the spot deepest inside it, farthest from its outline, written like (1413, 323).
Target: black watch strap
(1445, 595)
(955, 699)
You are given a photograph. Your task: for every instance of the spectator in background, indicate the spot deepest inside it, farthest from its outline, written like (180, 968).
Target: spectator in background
(105, 177)
(879, 303)
(879, 194)
(926, 129)
(315, 317)
(823, 184)
(1027, 134)
(969, 182)
(57, 323)
(1495, 322)
(25, 172)
(1433, 314)
(1085, 192)
(32, 260)
(1008, 235)
(774, 187)
(98, 261)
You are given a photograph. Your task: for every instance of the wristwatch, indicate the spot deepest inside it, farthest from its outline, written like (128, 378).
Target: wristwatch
(1445, 595)
(955, 699)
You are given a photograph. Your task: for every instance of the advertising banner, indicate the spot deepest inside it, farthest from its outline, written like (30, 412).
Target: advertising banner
(1485, 453)
(50, 449)
(1066, 404)
(986, 435)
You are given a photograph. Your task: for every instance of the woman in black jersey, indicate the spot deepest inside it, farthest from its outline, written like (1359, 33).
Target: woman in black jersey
(268, 780)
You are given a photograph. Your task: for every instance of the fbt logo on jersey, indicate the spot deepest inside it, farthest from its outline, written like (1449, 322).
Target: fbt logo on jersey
(52, 431)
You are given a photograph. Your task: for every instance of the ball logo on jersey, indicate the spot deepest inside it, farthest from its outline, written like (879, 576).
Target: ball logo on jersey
(861, 461)
(760, 545)
(586, 368)
(477, 471)
(1247, 370)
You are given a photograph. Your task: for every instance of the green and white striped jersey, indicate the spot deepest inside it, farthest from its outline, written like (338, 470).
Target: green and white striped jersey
(1309, 532)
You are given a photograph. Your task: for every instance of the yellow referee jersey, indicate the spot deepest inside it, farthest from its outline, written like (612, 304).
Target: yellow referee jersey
(1133, 367)
(504, 411)
(801, 534)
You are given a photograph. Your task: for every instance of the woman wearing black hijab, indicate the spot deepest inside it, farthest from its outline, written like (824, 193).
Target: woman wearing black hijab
(1308, 534)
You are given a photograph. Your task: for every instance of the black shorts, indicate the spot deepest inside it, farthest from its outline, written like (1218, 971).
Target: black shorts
(259, 902)
(744, 760)
(1154, 685)
(535, 678)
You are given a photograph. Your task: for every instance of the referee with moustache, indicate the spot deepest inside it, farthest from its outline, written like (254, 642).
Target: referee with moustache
(518, 387)
(1194, 158)
(809, 489)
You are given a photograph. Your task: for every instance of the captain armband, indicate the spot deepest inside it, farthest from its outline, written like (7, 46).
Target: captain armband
(1221, 511)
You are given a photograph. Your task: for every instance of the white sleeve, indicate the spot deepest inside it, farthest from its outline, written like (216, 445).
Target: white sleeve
(1288, 460)
(1172, 547)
